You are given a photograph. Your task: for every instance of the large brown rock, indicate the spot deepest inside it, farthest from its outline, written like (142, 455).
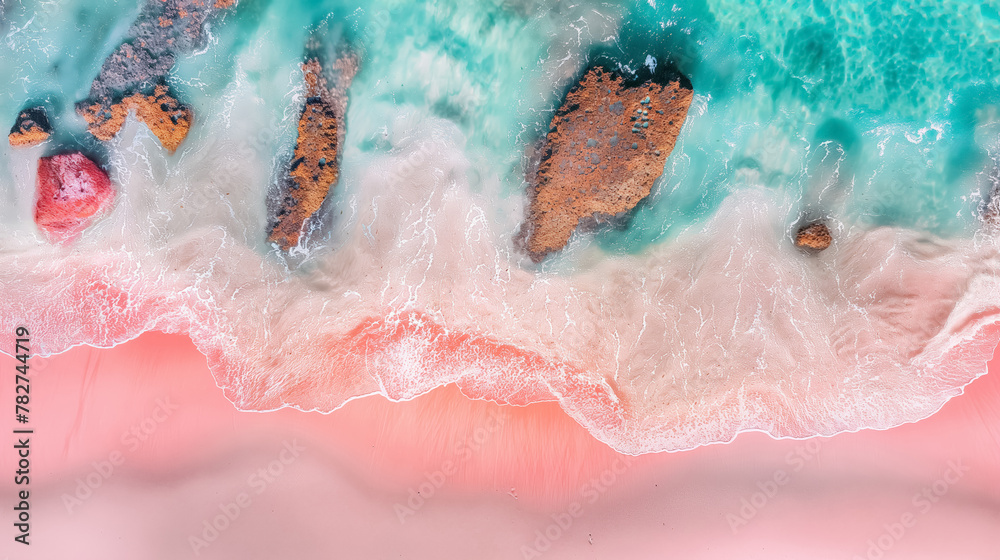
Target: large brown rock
(815, 236)
(314, 168)
(607, 144)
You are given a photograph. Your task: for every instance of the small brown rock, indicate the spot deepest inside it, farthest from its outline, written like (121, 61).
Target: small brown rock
(991, 208)
(31, 129)
(814, 236)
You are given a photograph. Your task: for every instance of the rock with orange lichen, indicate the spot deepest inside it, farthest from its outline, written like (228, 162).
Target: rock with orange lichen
(31, 128)
(315, 163)
(132, 76)
(104, 120)
(607, 144)
(165, 116)
(814, 236)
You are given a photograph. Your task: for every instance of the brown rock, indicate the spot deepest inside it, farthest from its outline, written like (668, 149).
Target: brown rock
(31, 129)
(606, 146)
(165, 116)
(315, 165)
(169, 120)
(814, 236)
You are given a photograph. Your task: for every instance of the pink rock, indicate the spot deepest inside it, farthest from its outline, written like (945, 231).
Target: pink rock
(71, 189)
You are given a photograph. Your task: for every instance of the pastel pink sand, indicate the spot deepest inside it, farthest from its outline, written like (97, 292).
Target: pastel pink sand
(492, 481)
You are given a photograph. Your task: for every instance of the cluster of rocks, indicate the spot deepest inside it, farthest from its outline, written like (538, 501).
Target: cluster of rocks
(314, 167)
(71, 188)
(606, 147)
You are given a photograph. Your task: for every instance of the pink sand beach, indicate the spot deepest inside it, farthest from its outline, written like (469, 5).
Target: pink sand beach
(137, 454)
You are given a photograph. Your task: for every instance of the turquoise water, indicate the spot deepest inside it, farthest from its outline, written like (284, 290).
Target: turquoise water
(787, 77)
(883, 95)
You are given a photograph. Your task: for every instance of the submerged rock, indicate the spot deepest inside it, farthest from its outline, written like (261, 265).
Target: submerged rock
(71, 189)
(991, 205)
(314, 168)
(31, 128)
(165, 116)
(606, 146)
(814, 236)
